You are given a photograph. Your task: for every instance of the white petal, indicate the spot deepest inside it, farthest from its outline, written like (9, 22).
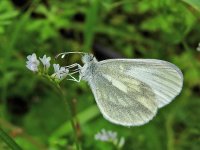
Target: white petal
(56, 67)
(45, 61)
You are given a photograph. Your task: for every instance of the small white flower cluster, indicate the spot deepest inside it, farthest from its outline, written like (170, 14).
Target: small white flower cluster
(198, 48)
(33, 64)
(106, 135)
(60, 72)
(110, 136)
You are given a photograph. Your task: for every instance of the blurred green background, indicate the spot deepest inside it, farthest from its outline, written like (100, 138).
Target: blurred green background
(31, 110)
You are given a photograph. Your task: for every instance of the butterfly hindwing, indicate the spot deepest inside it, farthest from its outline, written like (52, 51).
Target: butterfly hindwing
(123, 100)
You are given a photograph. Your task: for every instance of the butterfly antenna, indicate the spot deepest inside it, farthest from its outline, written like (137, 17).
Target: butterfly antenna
(66, 53)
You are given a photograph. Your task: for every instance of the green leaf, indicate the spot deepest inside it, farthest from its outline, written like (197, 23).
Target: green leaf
(194, 3)
(8, 15)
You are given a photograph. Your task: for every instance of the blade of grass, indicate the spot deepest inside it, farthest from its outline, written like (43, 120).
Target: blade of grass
(7, 125)
(9, 141)
(193, 3)
(91, 22)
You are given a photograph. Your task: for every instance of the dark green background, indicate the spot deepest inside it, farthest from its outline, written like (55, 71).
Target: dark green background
(32, 111)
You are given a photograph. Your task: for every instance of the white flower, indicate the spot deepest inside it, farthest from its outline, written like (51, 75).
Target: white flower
(60, 72)
(121, 142)
(110, 136)
(32, 63)
(106, 136)
(198, 48)
(46, 61)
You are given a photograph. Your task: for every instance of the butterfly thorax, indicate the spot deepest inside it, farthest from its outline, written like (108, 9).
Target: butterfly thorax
(88, 69)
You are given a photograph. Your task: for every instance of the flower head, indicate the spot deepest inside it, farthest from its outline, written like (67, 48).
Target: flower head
(106, 136)
(46, 61)
(110, 136)
(198, 48)
(60, 72)
(32, 63)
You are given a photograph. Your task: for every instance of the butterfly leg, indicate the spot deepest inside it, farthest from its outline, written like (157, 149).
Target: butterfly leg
(73, 78)
(75, 71)
(73, 65)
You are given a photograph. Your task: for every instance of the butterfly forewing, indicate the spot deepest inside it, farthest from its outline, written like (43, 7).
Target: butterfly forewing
(164, 78)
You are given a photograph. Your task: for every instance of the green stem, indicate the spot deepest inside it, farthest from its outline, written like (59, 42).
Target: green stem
(170, 134)
(69, 108)
(69, 105)
(9, 141)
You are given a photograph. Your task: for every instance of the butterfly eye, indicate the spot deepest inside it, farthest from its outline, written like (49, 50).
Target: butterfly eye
(91, 57)
(87, 58)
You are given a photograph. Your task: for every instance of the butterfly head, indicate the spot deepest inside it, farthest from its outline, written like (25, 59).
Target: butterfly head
(88, 68)
(88, 58)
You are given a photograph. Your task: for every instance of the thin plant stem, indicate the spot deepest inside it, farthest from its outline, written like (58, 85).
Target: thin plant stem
(170, 134)
(69, 105)
(9, 141)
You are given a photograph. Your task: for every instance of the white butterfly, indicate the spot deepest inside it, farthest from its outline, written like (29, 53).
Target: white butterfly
(129, 92)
